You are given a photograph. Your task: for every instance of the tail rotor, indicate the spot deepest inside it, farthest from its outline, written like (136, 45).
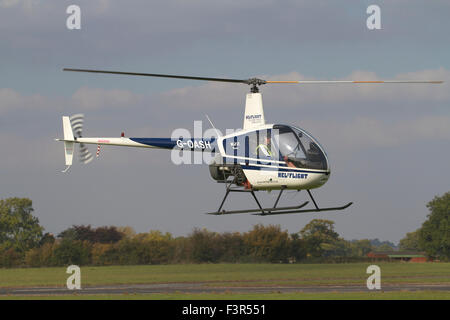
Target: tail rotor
(77, 121)
(85, 155)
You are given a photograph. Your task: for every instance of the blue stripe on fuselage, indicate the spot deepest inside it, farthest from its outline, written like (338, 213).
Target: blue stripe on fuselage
(165, 143)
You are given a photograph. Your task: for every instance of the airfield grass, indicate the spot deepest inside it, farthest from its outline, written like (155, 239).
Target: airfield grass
(239, 275)
(400, 295)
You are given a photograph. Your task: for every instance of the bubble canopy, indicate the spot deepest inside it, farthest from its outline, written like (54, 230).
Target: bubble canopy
(298, 148)
(278, 144)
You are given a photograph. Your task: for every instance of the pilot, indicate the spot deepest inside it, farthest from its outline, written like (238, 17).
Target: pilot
(265, 148)
(288, 162)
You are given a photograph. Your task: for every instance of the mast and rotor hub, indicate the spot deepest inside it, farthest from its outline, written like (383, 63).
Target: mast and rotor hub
(255, 82)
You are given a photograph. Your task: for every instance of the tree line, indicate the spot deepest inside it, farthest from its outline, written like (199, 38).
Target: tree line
(24, 243)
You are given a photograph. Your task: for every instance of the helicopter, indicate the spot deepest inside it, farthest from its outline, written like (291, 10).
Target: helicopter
(260, 157)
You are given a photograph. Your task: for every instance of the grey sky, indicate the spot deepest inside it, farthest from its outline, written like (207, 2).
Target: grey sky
(389, 145)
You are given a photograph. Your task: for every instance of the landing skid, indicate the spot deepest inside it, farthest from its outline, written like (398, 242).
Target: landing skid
(274, 210)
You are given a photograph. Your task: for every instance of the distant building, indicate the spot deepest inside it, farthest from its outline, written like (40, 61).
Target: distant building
(410, 256)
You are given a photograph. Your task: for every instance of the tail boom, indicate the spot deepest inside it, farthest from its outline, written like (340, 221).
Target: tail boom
(128, 142)
(73, 127)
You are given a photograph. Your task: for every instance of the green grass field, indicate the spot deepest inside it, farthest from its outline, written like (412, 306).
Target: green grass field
(402, 295)
(242, 275)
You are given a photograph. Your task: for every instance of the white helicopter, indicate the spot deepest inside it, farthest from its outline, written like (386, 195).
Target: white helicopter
(259, 157)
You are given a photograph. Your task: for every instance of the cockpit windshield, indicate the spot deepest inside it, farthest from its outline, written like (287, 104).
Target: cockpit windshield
(298, 149)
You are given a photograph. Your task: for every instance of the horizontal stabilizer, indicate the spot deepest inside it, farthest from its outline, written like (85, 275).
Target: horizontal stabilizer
(67, 128)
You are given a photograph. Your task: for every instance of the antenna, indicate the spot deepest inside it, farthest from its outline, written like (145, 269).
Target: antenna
(212, 125)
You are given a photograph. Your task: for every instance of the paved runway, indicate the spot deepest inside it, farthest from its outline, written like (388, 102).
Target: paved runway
(204, 288)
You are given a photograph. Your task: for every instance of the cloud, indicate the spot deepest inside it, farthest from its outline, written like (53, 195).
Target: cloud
(211, 95)
(368, 132)
(84, 98)
(360, 129)
(27, 5)
(336, 93)
(215, 95)
(96, 98)
(9, 3)
(13, 100)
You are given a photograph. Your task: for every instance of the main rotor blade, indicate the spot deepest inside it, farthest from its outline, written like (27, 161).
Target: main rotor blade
(158, 75)
(354, 81)
(252, 81)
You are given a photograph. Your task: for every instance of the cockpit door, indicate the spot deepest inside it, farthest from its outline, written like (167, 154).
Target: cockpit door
(299, 149)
